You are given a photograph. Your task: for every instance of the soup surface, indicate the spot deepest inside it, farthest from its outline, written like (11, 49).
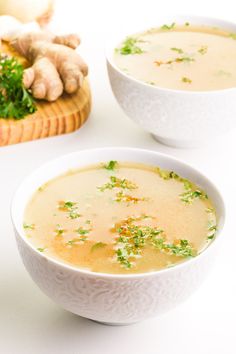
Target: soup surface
(120, 218)
(180, 57)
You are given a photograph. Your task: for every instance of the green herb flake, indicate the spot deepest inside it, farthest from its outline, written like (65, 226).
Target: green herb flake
(130, 46)
(71, 208)
(15, 101)
(166, 175)
(98, 245)
(187, 24)
(186, 80)
(111, 165)
(76, 240)
(178, 50)
(59, 230)
(168, 27)
(133, 238)
(209, 210)
(82, 231)
(212, 229)
(40, 249)
(28, 226)
(203, 50)
(190, 195)
(117, 183)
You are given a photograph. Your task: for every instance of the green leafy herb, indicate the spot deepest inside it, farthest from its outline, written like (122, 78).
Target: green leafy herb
(15, 101)
(122, 197)
(165, 174)
(59, 230)
(133, 238)
(76, 240)
(118, 183)
(41, 249)
(82, 231)
(190, 195)
(186, 80)
(98, 245)
(212, 229)
(130, 46)
(187, 24)
(168, 27)
(175, 60)
(178, 50)
(182, 248)
(111, 165)
(210, 210)
(28, 226)
(184, 59)
(71, 208)
(123, 257)
(203, 49)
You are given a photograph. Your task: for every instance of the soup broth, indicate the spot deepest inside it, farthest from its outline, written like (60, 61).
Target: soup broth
(120, 218)
(180, 57)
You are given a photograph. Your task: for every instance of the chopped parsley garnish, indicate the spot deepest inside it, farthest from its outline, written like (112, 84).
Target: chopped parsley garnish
(168, 27)
(175, 60)
(190, 195)
(40, 249)
(111, 165)
(187, 24)
(122, 197)
(15, 101)
(165, 174)
(133, 238)
(186, 80)
(130, 46)
(98, 245)
(178, 50)
(180, 248)
(203, 49)
(71, 208)
(118, 183)
(76, 240)
(82, 231)
(212, 228)
(28, 226)
(209, 210)
(59, 230)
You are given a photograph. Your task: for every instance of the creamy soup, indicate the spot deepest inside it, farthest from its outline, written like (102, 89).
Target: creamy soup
(180, 57)
(120, 218)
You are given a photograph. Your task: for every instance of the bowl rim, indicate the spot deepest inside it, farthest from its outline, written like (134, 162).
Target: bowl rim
(196, 19)
(123, 276)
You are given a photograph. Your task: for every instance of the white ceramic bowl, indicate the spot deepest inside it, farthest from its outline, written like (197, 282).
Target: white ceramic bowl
(111, 298)
(176, 118)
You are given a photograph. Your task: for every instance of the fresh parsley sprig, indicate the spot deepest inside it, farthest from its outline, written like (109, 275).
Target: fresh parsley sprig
(15, 101)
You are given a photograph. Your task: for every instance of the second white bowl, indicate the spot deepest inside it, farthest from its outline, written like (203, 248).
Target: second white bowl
(176, 118)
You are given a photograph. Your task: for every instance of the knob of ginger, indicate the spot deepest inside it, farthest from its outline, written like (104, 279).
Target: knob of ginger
(55, 65)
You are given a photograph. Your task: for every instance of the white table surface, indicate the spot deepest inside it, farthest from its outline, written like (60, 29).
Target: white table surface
(32, 323)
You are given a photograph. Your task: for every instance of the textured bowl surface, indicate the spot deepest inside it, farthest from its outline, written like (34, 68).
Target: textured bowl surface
(175, 117)
(113, 299)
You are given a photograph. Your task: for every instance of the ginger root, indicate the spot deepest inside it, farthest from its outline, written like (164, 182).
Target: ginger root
(55, 65)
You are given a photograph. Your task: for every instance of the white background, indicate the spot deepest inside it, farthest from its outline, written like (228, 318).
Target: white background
(29, 321)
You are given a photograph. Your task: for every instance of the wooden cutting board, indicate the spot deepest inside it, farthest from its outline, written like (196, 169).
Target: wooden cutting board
(65, 115)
